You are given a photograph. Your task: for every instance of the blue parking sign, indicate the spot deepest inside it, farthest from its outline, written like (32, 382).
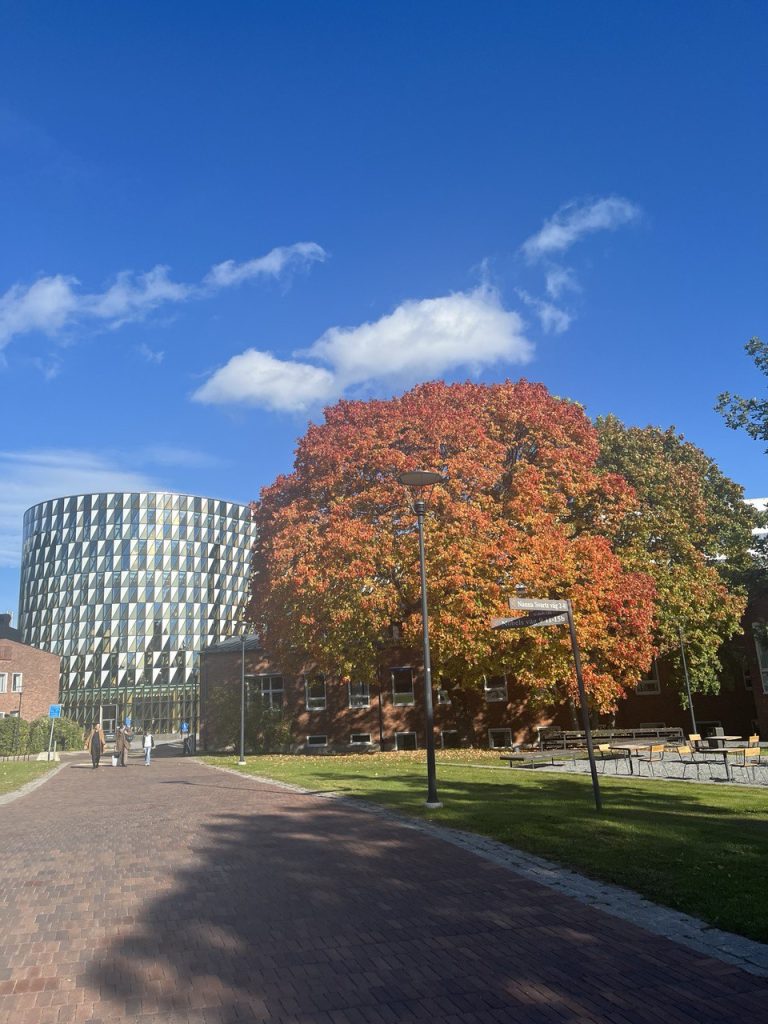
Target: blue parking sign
(185, 726)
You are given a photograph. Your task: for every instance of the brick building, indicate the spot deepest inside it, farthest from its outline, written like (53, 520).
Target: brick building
(29, 678)
(327, 714)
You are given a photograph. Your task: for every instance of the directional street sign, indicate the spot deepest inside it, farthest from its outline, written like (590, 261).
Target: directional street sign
(533, 604)
(521, 621)
(54, 710)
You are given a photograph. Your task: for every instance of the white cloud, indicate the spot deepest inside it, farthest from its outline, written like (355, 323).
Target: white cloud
(574, 220)
(224, 275)
(32, 476)
(560, 279)
(420, 339)
(52, 304)
(553, 319)
(257, 378)
(150, 354)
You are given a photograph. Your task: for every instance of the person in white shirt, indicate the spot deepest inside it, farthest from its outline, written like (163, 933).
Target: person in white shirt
(149, 742)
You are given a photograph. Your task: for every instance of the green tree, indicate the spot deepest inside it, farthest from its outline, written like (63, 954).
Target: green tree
(750, 414)
(692, 532)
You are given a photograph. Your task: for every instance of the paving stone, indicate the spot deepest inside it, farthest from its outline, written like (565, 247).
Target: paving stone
(183, 895)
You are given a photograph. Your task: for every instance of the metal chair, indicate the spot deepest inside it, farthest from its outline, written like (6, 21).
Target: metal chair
(654, 756)
(687, 757)
(750, 759)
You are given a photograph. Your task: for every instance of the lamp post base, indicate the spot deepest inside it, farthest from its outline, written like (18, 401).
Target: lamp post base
(242, 761)
(433, 805)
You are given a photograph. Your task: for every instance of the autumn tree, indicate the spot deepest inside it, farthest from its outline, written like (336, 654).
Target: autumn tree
(524, 501)
(691, 533)
(750, 414)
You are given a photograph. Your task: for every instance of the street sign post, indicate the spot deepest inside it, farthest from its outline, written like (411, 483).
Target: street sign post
(54, 712)
(534, 604)
(556, 613)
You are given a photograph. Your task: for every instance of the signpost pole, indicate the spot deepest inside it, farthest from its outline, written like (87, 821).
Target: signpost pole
(584, 709)
(50, 738)
(687, 680)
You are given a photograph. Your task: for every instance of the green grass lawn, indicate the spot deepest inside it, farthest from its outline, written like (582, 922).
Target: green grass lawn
(697, 848)
(14, 774)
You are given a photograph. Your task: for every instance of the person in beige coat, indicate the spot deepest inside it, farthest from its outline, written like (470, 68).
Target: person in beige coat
(122, 745)
(95, 743)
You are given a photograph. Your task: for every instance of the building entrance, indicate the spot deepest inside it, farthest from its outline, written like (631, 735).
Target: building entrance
(108, 719)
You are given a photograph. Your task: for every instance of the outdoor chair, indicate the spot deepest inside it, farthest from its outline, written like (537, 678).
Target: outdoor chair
(747, 760)
(687, 757)
(753, 741)
(603, 753)
(694, 739)
(653, 756)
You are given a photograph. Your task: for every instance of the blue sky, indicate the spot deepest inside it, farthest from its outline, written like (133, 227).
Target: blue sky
(217, 217)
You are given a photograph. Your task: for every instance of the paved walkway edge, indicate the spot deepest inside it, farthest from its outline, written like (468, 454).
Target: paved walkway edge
(612, 899)
(7, 798)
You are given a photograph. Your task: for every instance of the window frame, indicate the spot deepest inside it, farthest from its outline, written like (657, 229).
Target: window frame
(358, 742)
(499, 746)
(496, 689)
(314, 703)
(317, 736)
(260, 694)
(17, 677)
(362, 683)
(3, 682)
(406, 732)
(449, 732)
(402, 703)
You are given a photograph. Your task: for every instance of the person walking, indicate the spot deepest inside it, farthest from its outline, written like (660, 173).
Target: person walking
(95, 744)
(149, 742)
(121, 746)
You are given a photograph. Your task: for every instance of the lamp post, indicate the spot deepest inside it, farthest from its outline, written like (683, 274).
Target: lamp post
(415, 481)
(243, 635)
(687, 680)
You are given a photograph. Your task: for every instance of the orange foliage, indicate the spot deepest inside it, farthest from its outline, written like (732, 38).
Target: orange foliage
(337, 560)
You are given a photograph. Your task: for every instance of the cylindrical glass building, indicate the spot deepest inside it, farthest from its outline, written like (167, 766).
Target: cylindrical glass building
(128, 588)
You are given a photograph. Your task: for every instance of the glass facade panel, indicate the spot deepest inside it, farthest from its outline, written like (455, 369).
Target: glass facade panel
(101, 587)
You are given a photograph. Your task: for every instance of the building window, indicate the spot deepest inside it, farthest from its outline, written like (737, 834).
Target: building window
(316, 693)
(317, 741)
(359, 695)
(5, 653)
(495, 687)
(443, 696)
(747, 677)
(449, 739)
(360, 737)
(650, 684)
(268, 690)
(499, 737)
(405, 741)
(3, 682)
(402, 689)
(16, 684)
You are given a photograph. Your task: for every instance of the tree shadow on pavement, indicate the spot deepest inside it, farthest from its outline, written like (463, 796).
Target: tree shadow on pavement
(312, 911)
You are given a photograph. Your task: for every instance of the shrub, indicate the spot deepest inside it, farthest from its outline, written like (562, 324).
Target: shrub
(67, 734)
(13, 736)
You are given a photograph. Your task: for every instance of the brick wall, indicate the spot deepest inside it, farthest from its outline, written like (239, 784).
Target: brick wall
(40, 679)
(466, 721)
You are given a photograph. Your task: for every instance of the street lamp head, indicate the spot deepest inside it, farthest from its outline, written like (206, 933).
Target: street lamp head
(418, 478)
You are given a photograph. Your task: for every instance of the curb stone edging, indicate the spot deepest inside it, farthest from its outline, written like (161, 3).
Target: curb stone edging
(6, 798)
(685, 930)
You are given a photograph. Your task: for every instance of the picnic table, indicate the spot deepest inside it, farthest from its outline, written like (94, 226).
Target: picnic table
(531, 758)
(631, 750)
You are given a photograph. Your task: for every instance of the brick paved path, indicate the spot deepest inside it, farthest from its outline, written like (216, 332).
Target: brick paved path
(180, 894)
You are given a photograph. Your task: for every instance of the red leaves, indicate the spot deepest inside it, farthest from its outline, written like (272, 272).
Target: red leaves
(524, 501)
